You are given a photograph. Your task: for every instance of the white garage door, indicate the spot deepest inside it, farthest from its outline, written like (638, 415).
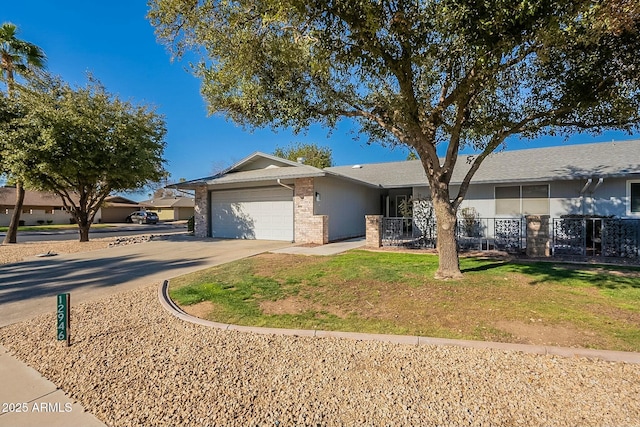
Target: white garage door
(265, 213)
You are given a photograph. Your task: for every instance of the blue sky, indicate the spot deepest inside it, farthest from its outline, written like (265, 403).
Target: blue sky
(115, 42)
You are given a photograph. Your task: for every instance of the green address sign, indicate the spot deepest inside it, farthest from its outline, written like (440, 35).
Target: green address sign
(63, 308)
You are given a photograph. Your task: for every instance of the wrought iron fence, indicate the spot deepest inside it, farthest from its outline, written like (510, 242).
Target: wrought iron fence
(408, 232)
(506, 234)
(597, 237)
(582, 237)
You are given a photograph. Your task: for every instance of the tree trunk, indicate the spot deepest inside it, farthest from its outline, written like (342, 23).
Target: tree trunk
(84, 232)
(12, 232)
(448, 261)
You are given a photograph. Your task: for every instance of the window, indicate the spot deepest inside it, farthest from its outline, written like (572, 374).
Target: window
(48, 210)
(508, 200)
(535, 199)
(633, 196)
(522, 200)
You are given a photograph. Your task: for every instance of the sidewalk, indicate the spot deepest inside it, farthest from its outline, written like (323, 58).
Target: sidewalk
(330, 249)
(33, 400)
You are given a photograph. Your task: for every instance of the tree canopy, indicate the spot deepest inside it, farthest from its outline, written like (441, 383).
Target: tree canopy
(80, 143)
(436, 76)
(17, 58)
(311, 154)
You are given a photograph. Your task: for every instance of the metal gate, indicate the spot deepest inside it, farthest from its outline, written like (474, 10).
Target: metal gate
(596, 237)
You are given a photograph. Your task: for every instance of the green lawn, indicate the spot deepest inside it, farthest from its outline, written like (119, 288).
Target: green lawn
(388, 292)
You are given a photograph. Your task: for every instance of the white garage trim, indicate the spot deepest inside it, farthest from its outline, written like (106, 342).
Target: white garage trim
(259, 213)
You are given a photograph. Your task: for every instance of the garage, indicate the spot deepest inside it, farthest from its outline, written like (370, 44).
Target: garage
(258, 213)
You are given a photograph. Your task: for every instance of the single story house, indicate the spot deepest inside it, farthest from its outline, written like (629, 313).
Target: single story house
(265, 197)
(171, 208)
(41, 208)
(38, 208)
(115, 209)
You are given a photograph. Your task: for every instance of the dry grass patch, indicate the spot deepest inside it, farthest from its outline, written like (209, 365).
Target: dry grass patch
(389, 292)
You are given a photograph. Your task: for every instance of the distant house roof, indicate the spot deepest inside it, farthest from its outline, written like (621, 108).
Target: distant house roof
(120, 202)
(169, 202)
(31, 198)
(563, 162)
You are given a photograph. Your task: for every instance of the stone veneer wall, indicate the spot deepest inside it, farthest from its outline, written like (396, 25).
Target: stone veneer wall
(374, 230)
(201, 212)
(538, 238)
(309, 228)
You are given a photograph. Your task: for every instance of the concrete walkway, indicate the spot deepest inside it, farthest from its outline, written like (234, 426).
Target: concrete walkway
(330, 249)
(28, 289)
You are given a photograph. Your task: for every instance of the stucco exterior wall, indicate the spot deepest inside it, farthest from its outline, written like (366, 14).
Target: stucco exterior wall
(346, 204)
(34, 215)
(609, 198)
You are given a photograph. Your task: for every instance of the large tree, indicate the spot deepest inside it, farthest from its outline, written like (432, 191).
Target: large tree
(310, 154)
(81, 144)
(21, 58)
(434, 75)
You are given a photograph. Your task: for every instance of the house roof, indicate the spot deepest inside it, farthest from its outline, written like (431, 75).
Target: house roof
(31, 198)
(563, 162)
(255, 168)
(169, 202)
(119, 200)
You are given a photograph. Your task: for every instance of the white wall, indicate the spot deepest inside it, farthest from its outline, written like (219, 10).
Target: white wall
(57, 217)
(610, 198)
(346, 204)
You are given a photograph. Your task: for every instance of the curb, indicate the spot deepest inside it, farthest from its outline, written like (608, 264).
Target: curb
(606, 355)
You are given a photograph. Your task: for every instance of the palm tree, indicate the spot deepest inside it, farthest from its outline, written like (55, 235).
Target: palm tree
(16, 57)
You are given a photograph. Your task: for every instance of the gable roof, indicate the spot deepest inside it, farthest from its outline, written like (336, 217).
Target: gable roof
(169, 202)
(256, 168)
(119, 200)
(563, 162)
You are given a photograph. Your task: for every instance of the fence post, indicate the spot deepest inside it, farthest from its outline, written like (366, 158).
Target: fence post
(538, 242)
(373, 230)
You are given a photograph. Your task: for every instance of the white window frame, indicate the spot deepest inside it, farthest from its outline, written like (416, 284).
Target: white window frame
(628, 207)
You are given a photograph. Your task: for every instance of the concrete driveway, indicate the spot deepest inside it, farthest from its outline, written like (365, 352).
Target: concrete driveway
(28, 288)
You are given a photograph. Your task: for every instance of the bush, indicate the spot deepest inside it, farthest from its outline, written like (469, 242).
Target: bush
(40, 222)
(49, 221)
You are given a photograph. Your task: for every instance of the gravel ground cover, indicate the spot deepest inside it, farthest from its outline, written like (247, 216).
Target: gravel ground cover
(133, 364)
(19, 251)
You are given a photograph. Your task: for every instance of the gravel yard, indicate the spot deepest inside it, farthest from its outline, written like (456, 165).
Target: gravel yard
(133, 364)
(19, 251)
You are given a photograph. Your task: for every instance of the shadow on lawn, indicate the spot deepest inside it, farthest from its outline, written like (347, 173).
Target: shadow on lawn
(604, 277)
(484, 267)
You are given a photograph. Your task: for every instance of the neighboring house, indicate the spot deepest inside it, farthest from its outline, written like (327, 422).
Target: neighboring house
(171, 208)
(115, 209)
(47, 208)
(38, 208)
(265, 197)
